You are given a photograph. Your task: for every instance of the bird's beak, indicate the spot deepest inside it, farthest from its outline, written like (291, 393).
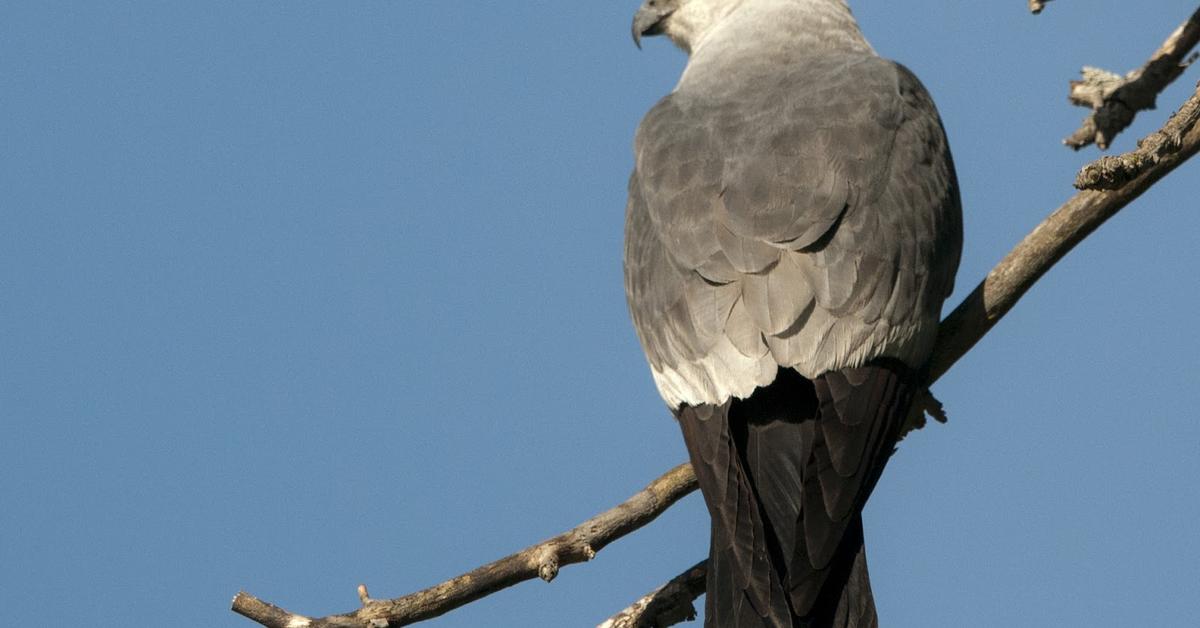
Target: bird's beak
(649, 21)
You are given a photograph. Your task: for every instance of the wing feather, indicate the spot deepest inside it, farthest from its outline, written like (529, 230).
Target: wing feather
(833, 214)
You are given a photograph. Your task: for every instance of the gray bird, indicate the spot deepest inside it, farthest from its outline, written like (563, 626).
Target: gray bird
(793, 227)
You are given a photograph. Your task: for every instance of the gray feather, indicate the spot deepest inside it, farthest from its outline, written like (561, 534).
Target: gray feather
(793, 227)
(833, 212)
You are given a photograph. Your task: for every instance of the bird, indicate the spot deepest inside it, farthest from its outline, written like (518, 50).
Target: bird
(794, 225)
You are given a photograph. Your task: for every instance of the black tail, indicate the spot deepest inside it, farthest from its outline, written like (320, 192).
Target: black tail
(785, 474)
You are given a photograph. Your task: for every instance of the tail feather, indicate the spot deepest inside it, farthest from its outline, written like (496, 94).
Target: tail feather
(856, 606)
(785, 474)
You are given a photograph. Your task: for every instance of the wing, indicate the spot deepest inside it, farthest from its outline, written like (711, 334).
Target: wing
(807, 219)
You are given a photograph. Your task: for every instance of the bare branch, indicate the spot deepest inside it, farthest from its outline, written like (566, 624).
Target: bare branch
(1038, 252)
(667, 605)
(1110, 173)
(959, 332)
(1115, 100)
(965, 326)
(537, 561)
(990, 301)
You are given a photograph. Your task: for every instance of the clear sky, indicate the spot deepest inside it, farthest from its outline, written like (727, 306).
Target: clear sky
(297, 295)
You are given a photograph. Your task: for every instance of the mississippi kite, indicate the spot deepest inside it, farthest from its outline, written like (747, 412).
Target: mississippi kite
(793, 228)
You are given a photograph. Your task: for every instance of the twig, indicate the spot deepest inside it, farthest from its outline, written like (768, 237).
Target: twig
(1115, 100)
(997, 294)
(665, 606)
(542, 560)
(1110, 173)
(1038, 252)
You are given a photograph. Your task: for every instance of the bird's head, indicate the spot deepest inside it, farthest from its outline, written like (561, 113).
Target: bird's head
(683, 21)
(691, 24)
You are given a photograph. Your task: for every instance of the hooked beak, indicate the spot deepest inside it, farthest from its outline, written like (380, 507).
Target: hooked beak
(649, 21)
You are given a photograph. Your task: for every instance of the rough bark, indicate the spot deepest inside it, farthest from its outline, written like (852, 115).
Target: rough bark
(536, 561)
(1110, 173)
(1039, 251)
(667, 605)
(1115, 100)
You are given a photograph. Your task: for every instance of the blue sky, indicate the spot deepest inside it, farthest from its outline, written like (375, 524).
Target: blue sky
(299, 295)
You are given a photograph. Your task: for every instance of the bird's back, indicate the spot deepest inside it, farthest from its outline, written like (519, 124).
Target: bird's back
(807, 219)
(793, 228)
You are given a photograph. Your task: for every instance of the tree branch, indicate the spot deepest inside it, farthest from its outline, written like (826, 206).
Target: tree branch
(537, 561)
(1036, 6)
(665, 606)
(1110, 173)
(977, 314)
(959, 332)
(1115, 100)
(1039, 251)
